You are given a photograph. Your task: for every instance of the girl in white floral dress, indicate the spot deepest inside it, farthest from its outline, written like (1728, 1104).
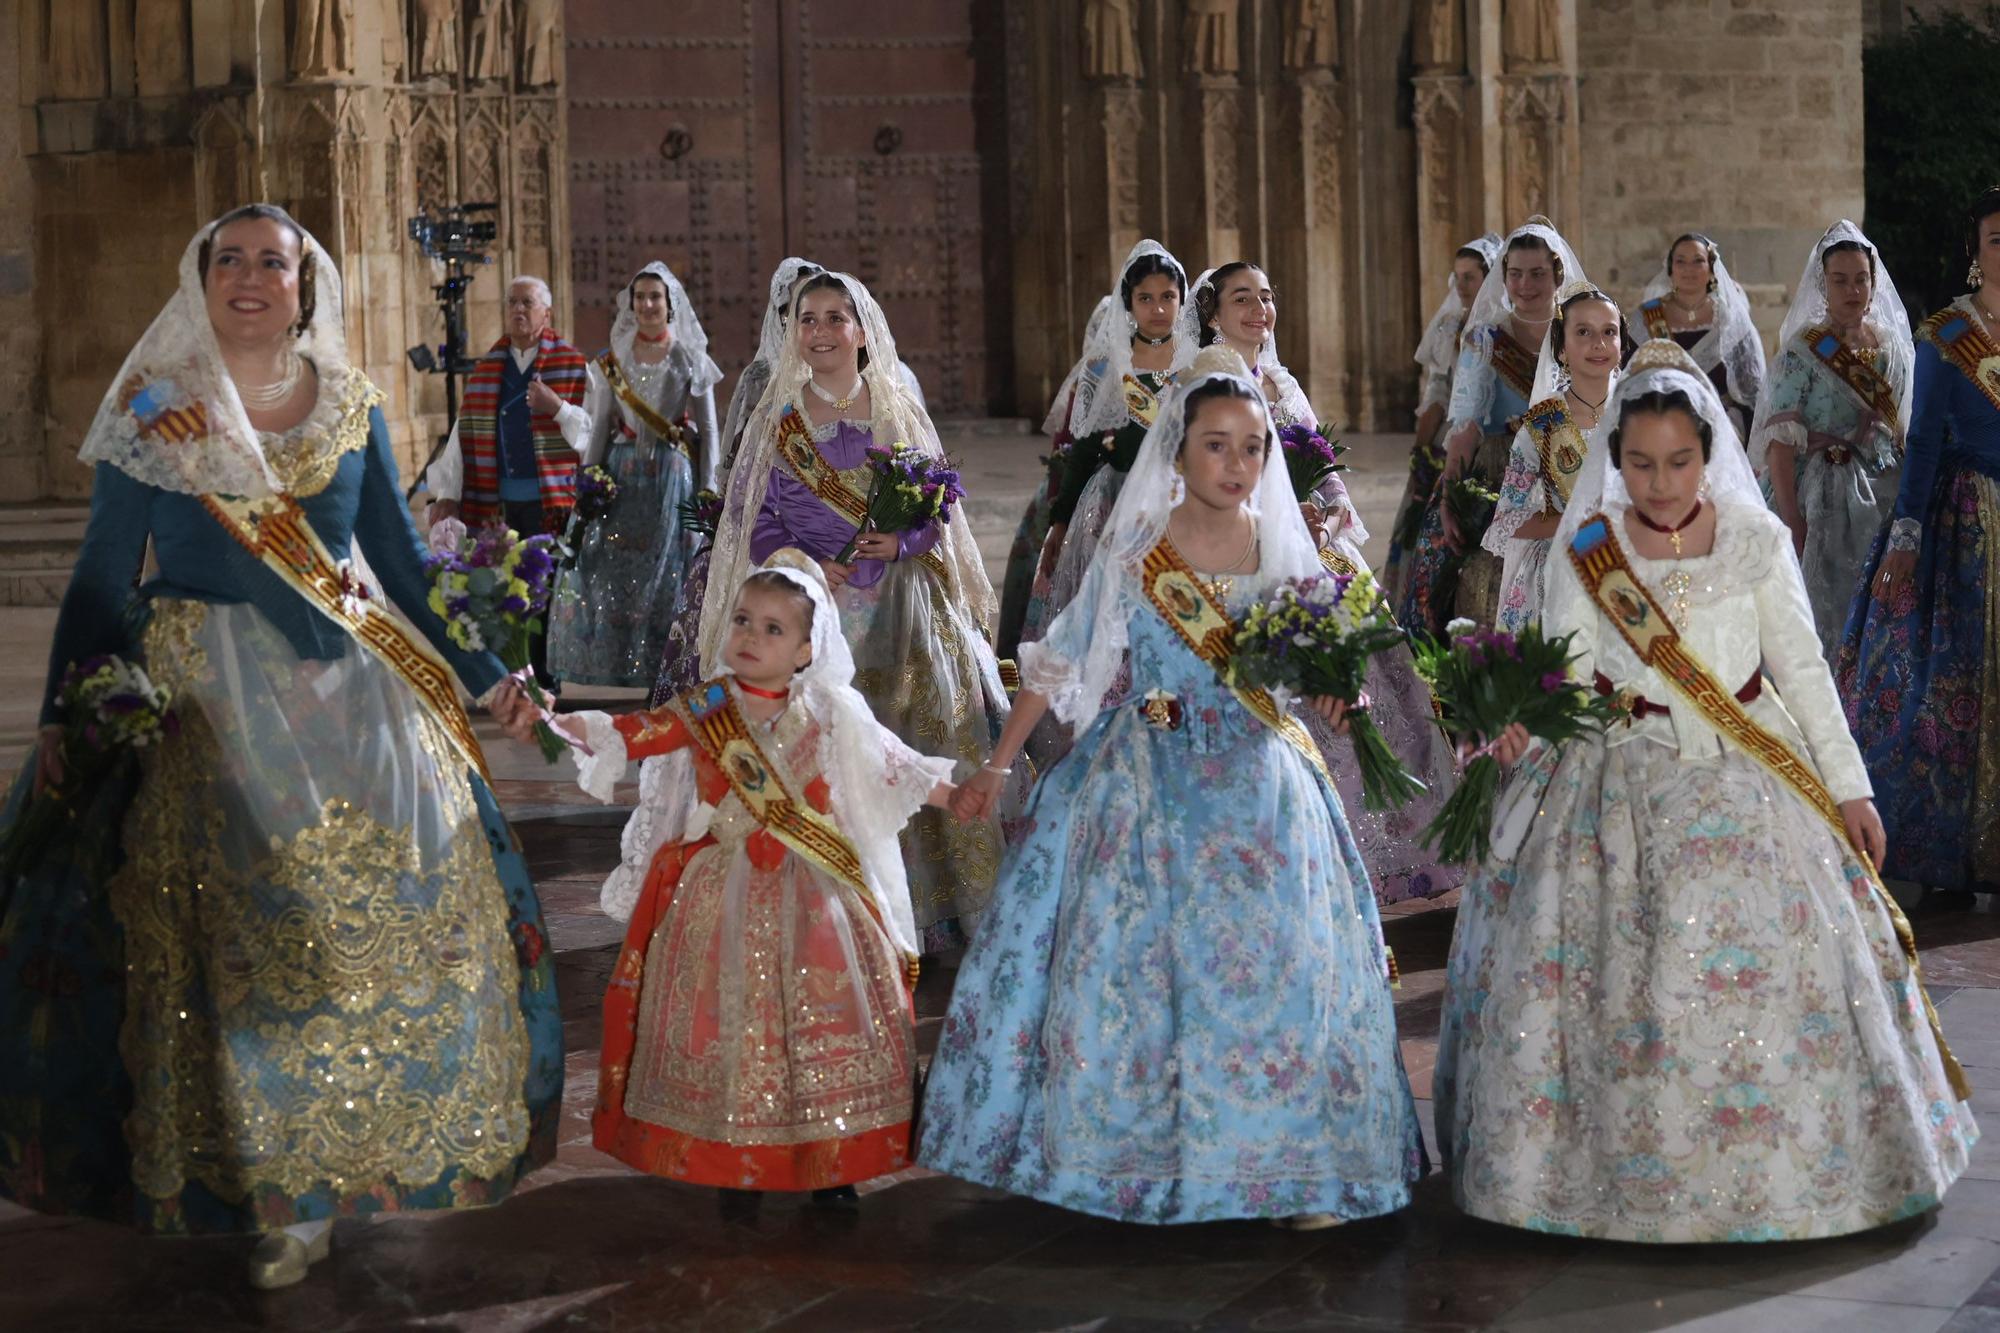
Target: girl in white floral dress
(1680, 1005)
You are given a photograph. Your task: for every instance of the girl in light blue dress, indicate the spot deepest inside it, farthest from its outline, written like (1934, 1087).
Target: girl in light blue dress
(1177, 1008)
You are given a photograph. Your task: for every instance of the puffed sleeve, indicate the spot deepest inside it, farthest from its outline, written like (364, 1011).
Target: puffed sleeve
(1522, 495)
(600, 415)
(396, 553)
(1931, 390)
(701, 409)
(445, 478)
(615, 741)
(1793, 658)
(92, 619)
(1567, 609)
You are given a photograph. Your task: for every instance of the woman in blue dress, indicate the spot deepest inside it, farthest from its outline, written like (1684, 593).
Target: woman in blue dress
(296, 971)
(1178, 1006)
(1917, 670)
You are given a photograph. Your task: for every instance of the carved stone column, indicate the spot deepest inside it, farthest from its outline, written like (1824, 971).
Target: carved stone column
(1307, 231)
(1538, 125)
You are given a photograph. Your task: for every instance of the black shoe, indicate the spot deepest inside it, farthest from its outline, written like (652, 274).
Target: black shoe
(738, 1205)
(839, 1199)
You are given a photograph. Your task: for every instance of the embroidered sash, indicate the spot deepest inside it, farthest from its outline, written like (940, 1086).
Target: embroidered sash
(765, 787)
(1515, 363)
(1636, 615)
(1655, 314)
(1141, 403)
(649, 416)
(830, 484)
(1854, 371)
(1191, 611)
(1560, 444)
(1963, 343)
(1336, 563)
(276, 531)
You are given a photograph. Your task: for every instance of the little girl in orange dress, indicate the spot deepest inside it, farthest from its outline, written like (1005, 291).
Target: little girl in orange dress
(757, 1030)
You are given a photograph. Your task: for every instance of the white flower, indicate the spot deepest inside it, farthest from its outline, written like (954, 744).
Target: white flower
(1459, 626)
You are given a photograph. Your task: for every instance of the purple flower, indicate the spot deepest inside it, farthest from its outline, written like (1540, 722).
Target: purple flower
(1553, 681)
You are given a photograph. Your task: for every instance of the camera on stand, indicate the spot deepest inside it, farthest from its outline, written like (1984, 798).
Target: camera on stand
(459, 239)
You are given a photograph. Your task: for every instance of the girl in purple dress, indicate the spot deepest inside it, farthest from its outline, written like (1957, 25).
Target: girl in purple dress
(916, 606)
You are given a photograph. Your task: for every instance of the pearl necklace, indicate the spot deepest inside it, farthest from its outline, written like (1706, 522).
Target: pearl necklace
(840, 404)
(264, 397)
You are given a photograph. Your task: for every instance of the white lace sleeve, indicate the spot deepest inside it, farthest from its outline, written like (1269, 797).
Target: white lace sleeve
(600, 409)
(1472, 383)
(445, 479)
(1522, 495)
(1791, 650)
(599, 771)
(1567, 609)
(908, 775)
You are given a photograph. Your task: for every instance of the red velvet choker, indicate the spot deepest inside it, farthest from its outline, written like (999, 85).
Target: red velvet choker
(756, 693)
(1673, 533)
(646, 337)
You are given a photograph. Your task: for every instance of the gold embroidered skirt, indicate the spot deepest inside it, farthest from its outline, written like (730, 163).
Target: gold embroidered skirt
(322, 996)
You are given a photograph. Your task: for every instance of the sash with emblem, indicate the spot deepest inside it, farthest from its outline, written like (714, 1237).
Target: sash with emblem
(1185, 602)
(1963, 343)
(1141, 403)
(674, 433)
(1515, 363)
(1636, 614)
(769, 792)
(1559, 443)
(275, 530)
(833, 486)
(1858, 374)
(1654, 312)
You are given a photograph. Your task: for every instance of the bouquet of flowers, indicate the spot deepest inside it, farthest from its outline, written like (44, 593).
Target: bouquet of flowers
(1472, 505)
(1410, 524)
(1483, 681)
(110, 710)
(1314, 636)
(596, 492)
(491, 592)
(1310, 457)
(911, 489)
(700, 513)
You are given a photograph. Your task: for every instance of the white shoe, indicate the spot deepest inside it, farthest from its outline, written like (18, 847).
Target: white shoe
(281, 1259)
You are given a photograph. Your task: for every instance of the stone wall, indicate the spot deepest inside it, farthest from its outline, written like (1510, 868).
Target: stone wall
(1739, 119)
(21, 403)
(139, 122)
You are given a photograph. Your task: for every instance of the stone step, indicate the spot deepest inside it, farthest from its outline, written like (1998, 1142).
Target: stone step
(38, 546)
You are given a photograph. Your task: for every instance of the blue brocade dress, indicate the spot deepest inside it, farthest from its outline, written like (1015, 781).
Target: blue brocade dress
(1920, 673)
(293, 968)
(1176, 1009)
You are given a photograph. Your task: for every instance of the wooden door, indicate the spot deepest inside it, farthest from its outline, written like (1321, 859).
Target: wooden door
(676, 154)
(723, 135)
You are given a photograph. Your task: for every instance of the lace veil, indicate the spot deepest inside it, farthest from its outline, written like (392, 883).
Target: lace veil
(897, 417)
(1732, 341)
(1886, 319)
(690, 340)
(1098, 379)
(871, 793)
(172, 418)
(1658, 366)
(1291, 402)
(1472, 392)
(1111, 591)
(1437, 351)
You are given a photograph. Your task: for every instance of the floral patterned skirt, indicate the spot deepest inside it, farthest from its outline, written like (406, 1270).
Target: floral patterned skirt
(331, 966)
(1176, 1009)
(790, 1073)
(1443, 583)
(680, 654)
(1920, 676)
(1426, 466)
(1680, 1013)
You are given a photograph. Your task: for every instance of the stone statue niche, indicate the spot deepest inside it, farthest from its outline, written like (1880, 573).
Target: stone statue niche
(541, 43)
(1210, 43)
(1312, 36)
(437, 39)
(323, 39)
(488, 50)
(1437, 36)
(1531, 34)
(1110, 40)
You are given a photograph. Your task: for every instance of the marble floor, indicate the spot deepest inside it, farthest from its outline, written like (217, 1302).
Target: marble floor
(587, 1244)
